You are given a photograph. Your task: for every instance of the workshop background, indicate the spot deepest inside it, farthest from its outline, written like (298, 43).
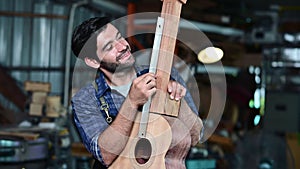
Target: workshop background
(260, 125)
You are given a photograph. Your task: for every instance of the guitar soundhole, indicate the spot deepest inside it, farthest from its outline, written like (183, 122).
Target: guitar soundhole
(143, 151)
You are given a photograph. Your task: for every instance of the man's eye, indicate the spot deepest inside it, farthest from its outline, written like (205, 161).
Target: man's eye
(109, 47)
(119, 36)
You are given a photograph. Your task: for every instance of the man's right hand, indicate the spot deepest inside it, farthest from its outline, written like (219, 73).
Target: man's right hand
(141, 89)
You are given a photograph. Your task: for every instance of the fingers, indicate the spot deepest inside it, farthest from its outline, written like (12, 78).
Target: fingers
(145, 77)
(176, 90)
(142, 88)
(147, 82)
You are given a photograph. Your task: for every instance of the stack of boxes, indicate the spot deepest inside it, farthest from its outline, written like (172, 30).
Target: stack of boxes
(38, 92)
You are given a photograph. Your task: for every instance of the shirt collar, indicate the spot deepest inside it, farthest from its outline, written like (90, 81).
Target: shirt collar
(103, 86)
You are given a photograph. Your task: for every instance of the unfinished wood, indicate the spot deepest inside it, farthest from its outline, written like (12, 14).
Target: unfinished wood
(159, 135)
(161, 102)
(24, 135)
(37, 86)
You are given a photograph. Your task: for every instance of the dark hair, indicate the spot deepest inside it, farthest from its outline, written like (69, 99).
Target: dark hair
(84, 37)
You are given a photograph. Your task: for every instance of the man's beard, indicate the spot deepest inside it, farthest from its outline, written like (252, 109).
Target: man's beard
(116, 67)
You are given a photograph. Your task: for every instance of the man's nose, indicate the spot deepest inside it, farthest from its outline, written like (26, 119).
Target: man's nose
(120, 46)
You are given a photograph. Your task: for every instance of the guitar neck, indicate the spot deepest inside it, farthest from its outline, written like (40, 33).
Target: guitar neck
(161, 103)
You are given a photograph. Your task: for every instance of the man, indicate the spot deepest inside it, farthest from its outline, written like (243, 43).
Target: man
(118, 93)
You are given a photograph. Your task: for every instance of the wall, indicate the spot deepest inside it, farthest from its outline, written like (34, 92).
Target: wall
(33, 39)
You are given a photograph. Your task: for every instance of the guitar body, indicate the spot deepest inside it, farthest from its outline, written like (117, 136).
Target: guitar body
(148, 152)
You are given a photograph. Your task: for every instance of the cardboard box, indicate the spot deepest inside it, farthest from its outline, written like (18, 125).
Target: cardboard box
(53, 106)
(37, 86)
(39, 97)
(36, 109)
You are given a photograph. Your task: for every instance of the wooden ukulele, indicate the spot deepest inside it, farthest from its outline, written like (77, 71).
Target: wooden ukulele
(151, 134)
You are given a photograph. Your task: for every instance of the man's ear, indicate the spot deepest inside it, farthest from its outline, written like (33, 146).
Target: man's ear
(92, 62)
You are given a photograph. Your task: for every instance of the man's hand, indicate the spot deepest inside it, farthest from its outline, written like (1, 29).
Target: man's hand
(141, 89)
(176, 90)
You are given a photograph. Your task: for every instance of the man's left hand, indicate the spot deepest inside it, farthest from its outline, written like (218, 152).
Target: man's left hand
(176, 90)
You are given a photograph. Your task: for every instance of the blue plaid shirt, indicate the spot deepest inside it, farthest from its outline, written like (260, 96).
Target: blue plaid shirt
(90, 120)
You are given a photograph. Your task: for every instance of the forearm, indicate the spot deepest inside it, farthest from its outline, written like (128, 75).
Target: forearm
(196, 130)
(113, 140)
(191, 120)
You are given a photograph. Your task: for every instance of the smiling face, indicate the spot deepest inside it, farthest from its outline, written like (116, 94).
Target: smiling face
(113, 50)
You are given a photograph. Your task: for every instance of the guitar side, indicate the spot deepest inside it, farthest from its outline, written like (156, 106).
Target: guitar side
(159, 136)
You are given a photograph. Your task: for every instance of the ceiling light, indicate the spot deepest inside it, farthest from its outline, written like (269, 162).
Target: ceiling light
(210, 55)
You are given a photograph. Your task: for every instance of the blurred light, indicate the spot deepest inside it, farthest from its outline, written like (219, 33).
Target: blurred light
(257, 80)
(251, 69)
(210, 55)
(257, 70)
(225, 19)
(251, 103)
(298, 37)
(289, 37)
(257, 98)
(262, 101)
(256, 120)
(248, 20)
